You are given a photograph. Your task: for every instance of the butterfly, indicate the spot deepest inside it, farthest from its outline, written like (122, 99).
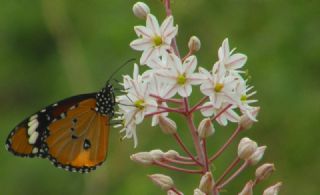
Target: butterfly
(72, 133)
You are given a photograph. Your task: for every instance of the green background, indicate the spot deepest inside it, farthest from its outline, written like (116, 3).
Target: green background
(50, 50)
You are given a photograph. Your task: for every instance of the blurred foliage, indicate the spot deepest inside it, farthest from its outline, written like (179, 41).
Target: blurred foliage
(50, 50)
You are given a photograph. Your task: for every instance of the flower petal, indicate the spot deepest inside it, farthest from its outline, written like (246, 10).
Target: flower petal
(147, 55)
(190, 64)
(185, 90)
(224, 50)
(152, 23)
(141, 44)
(236, 61)
(143, 31)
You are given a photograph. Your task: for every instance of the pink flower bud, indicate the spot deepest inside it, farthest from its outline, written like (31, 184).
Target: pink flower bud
(140, 10)
(246, 148)
(144, 158)
(264, 171)
(205, 128)
(156, 154)
(247, 190)
(273, 190)
(171, 154)
(194, 44)
(257, 155)
(246, 121)
(167, 125)
(206, 183)
(163, 181)
(197, 191)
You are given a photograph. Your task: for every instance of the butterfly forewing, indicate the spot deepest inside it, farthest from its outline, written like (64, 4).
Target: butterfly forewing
(27, 138)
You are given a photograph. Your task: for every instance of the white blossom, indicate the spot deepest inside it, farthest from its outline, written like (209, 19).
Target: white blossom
(154, 40)
(181, 76)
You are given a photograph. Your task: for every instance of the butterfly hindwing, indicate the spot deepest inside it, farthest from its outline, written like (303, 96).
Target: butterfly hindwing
(78, 142)
(27, 138)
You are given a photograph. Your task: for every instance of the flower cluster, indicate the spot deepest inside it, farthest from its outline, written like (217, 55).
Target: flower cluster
(169, 79)
(168, 76)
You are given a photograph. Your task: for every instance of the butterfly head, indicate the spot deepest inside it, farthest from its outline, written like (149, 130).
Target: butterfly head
(106, 100)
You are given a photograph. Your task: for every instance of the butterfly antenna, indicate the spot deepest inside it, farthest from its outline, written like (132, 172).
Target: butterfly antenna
(120, 67)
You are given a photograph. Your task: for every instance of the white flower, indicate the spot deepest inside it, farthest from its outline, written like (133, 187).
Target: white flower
(243, 92)
(153, 39)
(181, 76)
(162, 90)
(218, 85)
(232, 62)
(136, 103)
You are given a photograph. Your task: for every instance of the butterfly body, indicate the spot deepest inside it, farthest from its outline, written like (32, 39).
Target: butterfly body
(72, 133)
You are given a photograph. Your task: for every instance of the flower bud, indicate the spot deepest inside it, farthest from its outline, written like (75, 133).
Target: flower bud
(171, 154)
(273, 190)
(197, 191)
(163, 181)
(144, 158)
(167, 125)
(140, 10)
(156, 154)
(205, 128)
(194, 44)
(246, 121)
(246, 148)
(247, 190)
(264, 171)
(257, 155)
(206, 183)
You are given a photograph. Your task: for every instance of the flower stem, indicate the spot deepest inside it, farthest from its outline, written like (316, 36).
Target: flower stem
(164, 165)
(193, 132)
(227, 171)
(176, 191)
(234, 175)
(194, 108)
(204, 145)
(180, 142)
(174, 41)
(177, 101)
(229, 141)
(170, 160)
(221, 112)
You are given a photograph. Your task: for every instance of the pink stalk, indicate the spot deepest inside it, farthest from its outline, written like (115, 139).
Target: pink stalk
(204, 145)
(221, 112)
(164, 165)
(174, 41)
(227, 171)
(177, 101)
(180, 142)
(176, 191)
(234, 175)
(194, 108)
(193, 131)
(170, 160)
(220, 151)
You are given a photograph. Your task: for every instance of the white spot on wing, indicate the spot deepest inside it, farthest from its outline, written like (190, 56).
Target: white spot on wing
(33, 126)
(33, 137)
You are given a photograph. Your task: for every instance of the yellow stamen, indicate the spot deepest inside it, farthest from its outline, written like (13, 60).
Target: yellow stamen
(157, 40)
(139, 104)
(218, 87)
(243, 98)
(181, 80)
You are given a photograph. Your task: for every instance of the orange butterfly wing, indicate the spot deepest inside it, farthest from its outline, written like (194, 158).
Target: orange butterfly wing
(79, 140)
